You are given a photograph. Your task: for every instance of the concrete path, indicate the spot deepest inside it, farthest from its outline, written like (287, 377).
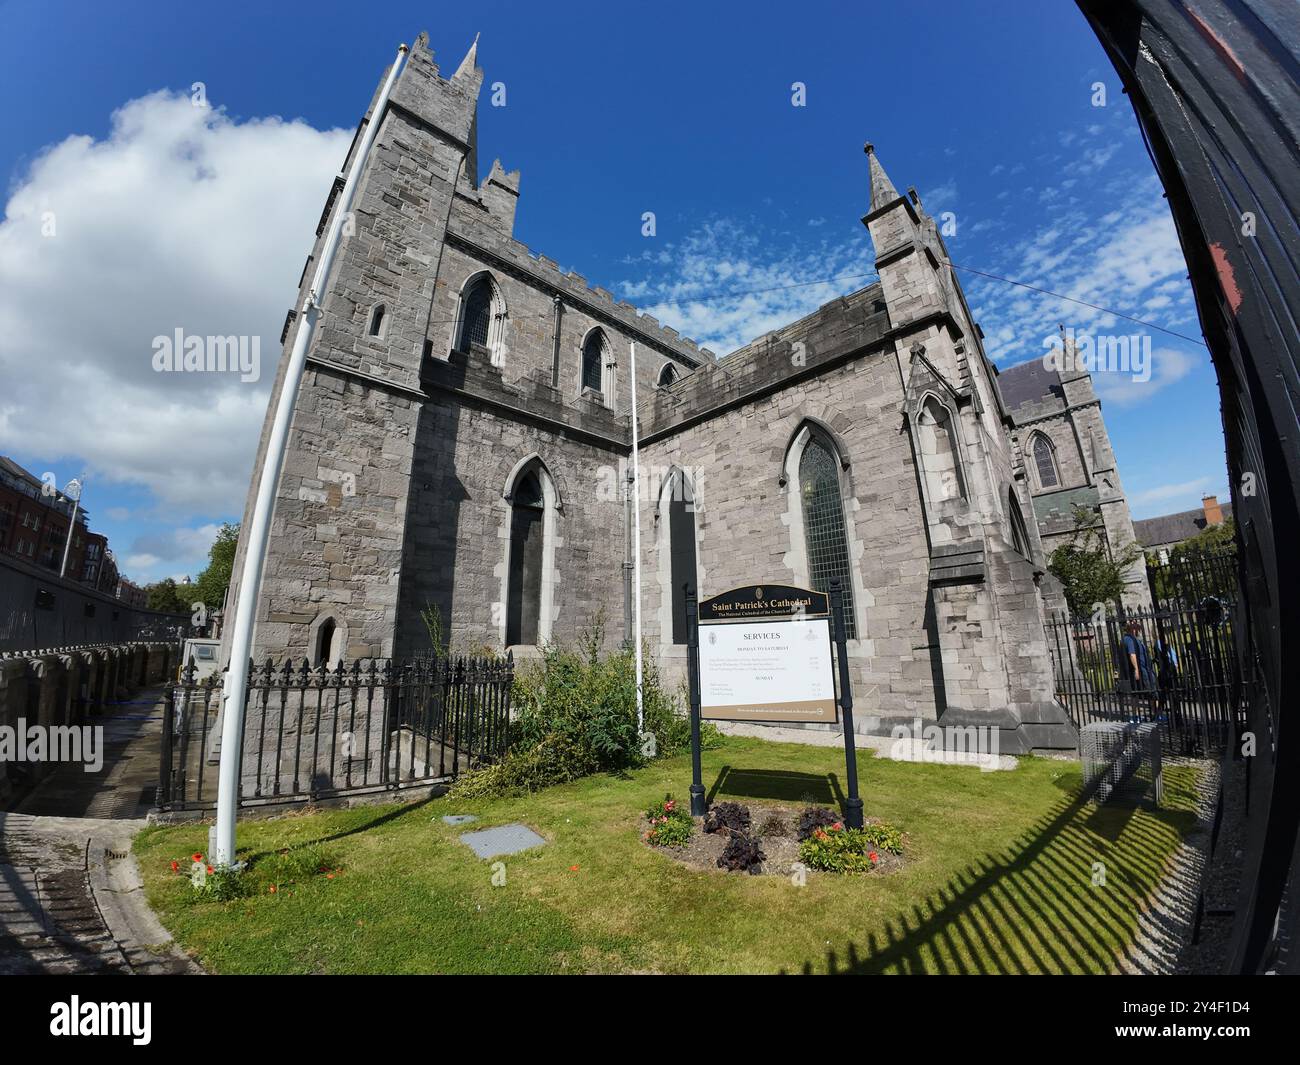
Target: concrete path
(899, 750)
(71, 899)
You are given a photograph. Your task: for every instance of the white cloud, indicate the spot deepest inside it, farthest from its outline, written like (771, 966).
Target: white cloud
(1164, 492)
(1169, 366)
(730, 281)
(180, 218)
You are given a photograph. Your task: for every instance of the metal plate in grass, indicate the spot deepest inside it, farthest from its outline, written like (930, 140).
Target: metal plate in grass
(505, 839)
(458, 819)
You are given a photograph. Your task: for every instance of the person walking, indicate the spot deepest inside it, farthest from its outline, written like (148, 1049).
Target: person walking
(1140, 677)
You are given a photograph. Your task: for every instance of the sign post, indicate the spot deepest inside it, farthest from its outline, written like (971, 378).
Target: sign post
(852, 804)
(698, 806)
(764, 653)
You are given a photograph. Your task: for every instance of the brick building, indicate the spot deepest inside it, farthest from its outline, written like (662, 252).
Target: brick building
(34, 527)
(461, 440)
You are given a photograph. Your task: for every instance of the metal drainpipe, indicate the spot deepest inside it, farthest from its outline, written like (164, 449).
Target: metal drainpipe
(555, 340)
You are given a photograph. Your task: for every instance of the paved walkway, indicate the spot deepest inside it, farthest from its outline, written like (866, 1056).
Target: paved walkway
(898, 750)
(71, 899)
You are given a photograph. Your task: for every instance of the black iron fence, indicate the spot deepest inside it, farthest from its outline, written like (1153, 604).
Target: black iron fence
(1188, 679)
(1189, 579)
(318, 733)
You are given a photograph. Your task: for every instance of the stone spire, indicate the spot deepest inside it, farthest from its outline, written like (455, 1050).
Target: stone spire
(470, 62)
(882, 189)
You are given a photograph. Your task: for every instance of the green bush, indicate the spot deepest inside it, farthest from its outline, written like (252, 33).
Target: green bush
(575, 714)
(849, 850)
(670, 826)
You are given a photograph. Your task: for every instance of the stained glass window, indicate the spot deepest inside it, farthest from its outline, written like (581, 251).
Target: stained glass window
(823, 525)
(1046, 462)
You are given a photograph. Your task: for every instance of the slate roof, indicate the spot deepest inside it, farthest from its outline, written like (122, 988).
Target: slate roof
(1173, 528)
(1027, 382)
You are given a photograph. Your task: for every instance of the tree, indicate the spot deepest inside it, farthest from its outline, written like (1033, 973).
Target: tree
(169, 597)
(1202, 565)
(1086, 567)
(210, 588)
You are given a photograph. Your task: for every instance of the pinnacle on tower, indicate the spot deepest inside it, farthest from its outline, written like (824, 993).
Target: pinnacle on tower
(470, 62)
(882, 189)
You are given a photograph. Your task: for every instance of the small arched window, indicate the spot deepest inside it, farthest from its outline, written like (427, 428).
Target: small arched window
(667, 375)
(324, 650)
(476, 316)
(823, 525)
(1045, 460)
(593, 362)
(377, 321)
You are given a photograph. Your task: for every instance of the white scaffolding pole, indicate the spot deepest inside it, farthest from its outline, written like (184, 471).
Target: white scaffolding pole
(259, 526)
(636, 551)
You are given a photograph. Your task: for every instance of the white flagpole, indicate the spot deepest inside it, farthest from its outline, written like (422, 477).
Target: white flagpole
(259, 526)
(636, 551)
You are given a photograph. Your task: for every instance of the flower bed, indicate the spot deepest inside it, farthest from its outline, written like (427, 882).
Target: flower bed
(772, 840)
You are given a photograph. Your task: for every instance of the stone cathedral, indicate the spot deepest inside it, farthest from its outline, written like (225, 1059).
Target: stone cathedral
(462, 437)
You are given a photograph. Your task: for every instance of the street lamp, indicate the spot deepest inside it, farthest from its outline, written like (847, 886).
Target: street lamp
(71, 490)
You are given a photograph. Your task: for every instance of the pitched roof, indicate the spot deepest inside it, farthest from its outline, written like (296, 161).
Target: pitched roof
(1027, 382)
(1173, 528)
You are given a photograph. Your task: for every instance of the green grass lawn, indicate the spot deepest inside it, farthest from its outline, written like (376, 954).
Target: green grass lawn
(999, 878)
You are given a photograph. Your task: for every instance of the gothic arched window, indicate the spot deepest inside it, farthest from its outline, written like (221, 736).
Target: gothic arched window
(681, 549)
(476, 315)
(823, 524)
(593, 362)
(667, 375)
(1045, 460)
(524, 590)
(377, 321)
(1019, 533)
(940, 457)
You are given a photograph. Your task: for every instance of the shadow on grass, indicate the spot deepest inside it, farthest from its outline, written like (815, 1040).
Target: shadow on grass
(366, 826)
(781, 785)
(1036, 907)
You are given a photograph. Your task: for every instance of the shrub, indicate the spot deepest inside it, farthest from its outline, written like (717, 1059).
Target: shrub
(815, 817)
(729, 817)
(836, 849)
(670, 826)
(742, 854)
(576, 715)
(774, 826)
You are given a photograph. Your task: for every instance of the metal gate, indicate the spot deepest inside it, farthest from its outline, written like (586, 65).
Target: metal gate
(1193, 686)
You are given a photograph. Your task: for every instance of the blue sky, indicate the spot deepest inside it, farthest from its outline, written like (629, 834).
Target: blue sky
(170, 216)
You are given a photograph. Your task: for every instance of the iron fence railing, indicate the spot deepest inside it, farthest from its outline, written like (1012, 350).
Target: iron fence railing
(1193, 687)
(1189, 579)
(312, 732)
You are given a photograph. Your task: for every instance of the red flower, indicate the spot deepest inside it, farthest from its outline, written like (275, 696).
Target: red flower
(329, 876)
(837, 826)
(670, 804)
(874, 857)
(176, 867)
(573, 868)
(210, 869)
(198, 857)
(271, 889)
